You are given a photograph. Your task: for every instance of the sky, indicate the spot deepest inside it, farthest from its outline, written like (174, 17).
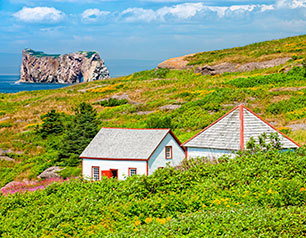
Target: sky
(152, 30)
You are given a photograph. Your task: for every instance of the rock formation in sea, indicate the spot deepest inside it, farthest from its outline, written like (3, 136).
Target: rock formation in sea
(82, 66)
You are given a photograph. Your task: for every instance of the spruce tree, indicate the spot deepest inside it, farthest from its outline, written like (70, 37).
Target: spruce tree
(79, 134)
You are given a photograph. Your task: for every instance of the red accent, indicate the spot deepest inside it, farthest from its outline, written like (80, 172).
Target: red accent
(112, 159)
(106, 173)
(147, 168)
(177, 140)
(92, 167)
(159, 144)
(130, 170)
(82, 167)
(186, 154)
(170, 152)
(271, 126)
(210, 125)
(241, 127)
(135, 128)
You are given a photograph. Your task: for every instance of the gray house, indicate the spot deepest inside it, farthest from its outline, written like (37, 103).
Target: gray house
(230, 133)
(122, 152)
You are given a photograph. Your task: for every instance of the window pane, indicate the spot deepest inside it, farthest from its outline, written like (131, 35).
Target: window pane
(168, 152)
(95, 173)
(132, 172)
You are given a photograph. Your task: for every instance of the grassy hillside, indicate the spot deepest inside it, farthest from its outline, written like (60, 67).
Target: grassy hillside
(261, 195)
(257, 52)
(276, 96)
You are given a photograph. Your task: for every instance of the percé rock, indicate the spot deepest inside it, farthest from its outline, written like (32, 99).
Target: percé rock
(83, 66)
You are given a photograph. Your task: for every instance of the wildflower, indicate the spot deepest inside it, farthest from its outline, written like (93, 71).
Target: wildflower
(269, 191)
(161, 221)
(148, 220)
(228, 206)
(168, 218)
(137, 223)
(302, 189)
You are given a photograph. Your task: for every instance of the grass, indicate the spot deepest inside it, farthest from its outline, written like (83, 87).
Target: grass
(288, 47)
(203, 98)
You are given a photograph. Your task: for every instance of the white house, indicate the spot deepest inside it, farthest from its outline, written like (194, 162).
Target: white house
(122, 152)
(230, 133)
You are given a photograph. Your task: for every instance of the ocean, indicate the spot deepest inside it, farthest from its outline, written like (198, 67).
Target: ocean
(116, 68)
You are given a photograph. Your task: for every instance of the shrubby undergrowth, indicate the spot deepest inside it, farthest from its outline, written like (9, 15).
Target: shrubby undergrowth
(261, 194)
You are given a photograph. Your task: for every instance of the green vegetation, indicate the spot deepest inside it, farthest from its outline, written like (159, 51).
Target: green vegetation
(261, 194)
(294, 47)
(42, 54)
(112, 102)
(277, 96)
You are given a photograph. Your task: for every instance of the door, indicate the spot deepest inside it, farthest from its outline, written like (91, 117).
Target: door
(106, 173)
(114, 173)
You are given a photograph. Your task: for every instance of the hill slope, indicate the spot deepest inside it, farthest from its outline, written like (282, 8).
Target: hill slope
(191, 100)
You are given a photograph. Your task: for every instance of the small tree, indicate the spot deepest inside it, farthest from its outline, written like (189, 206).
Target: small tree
(52, 124)
(265, 143)
(79, 133)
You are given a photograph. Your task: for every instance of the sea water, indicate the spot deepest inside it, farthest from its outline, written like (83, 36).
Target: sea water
(116, 68)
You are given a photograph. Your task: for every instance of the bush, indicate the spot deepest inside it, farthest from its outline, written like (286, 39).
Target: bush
(112, 102)
(158, 121)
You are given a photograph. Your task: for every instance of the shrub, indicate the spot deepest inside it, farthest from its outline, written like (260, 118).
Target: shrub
(112, 102)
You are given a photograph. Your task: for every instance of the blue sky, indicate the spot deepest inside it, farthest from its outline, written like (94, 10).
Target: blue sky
(144, 29)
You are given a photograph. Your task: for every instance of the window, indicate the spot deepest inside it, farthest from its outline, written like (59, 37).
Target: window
(132, 171)
(168, 152)
(95, 173)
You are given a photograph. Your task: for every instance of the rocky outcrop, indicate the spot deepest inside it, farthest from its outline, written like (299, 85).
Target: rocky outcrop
(83, 66)
(182, 63)
(50, 173)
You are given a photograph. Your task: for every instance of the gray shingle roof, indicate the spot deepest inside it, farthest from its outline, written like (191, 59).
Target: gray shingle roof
(122, 143)
(225, 132)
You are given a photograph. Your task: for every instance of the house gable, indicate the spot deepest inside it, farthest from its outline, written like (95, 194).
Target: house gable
(158, 158)
(234, 130)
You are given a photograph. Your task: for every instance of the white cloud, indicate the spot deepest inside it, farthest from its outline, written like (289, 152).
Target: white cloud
(91, 15)
(188, 10)
(291, 3)
(181, 11)
(39, 14)
(136, 14)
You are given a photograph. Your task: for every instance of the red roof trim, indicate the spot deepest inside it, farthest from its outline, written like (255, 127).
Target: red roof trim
(152, 129)
(113, 158)
(159, 144)
(271, 126)
(241, 127)
(177, 140)
(210, 125)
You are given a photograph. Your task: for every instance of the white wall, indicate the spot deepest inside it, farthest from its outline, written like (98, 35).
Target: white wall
(158, 158)
(193, 152)
(122, 166)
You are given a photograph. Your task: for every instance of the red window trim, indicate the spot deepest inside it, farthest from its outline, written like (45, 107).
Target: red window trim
(92, 167)
(130, 170)
(170, 152)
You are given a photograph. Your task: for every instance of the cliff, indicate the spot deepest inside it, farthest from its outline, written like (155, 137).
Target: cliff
(83, 66)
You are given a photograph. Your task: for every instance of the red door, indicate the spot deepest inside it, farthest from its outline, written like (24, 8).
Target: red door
(106, 173)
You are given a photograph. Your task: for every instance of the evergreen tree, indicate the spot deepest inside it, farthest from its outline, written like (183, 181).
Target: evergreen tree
(52, 124)
(79, 134)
